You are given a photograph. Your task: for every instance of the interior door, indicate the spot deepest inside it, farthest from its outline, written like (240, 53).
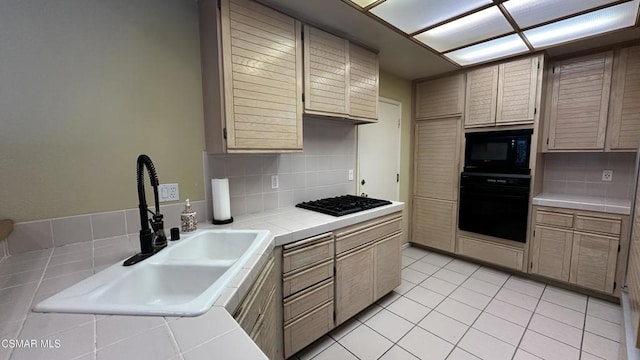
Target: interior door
(379, 153)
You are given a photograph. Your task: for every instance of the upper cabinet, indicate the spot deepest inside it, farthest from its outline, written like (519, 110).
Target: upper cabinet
(579, 101)
(440, 98)
(363, 82)
(503, 94)
(326, 65)
(252, 78)
(623, 131)
(341, 78)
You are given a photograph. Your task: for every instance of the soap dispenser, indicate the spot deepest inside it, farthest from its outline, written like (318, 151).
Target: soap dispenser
(189, 218)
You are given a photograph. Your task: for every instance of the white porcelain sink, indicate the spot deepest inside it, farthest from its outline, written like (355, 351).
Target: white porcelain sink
(183, 279)
(224, 246)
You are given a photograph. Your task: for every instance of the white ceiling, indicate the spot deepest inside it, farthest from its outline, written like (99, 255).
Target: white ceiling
(398, 54)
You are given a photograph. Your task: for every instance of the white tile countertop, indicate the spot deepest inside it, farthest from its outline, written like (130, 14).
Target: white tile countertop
(583, 202)
(28, 278)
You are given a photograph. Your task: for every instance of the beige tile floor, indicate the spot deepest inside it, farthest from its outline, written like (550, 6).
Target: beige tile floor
(451, 309)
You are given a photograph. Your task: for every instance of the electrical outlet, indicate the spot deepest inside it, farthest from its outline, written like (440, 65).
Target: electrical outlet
(169, 192)
(607, 175)
(350, 174)
(275, 183)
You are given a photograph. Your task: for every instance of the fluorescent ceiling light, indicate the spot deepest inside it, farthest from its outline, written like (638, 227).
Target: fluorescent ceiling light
(489, 50)
(533, 12)
(413, 15)
(363, 3)
(593, 23)
(476, 27)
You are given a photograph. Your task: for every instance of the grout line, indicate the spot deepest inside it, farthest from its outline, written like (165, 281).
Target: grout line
(173, 338)
(526, 328)
(477, 317)
(95, 336)
(35, 292)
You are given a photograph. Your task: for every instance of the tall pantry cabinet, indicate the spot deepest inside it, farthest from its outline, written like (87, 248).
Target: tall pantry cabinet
(437, 137)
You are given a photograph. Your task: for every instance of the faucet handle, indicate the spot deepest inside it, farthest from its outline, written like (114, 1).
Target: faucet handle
(157, 224)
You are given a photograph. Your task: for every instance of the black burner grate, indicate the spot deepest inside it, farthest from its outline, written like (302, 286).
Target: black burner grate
(342, 205)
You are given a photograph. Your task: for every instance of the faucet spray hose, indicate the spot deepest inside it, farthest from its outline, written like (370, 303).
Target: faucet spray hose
(142, 162)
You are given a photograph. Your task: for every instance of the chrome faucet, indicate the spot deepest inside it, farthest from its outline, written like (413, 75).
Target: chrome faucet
(150, 241)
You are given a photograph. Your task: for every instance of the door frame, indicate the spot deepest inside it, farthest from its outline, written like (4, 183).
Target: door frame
(399, 150)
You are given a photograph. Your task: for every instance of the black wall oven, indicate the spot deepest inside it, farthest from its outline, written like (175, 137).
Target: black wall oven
(495, 184)
(494, 205)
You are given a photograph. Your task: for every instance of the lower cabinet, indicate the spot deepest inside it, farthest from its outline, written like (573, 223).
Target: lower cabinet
(366, 273)
(490, 251)
(551, 252)
(329, 278)
(307, 288)
(354, 283)
(387, 265)
(593, 261)
(434, 223)
(256, 314)
(578, 247)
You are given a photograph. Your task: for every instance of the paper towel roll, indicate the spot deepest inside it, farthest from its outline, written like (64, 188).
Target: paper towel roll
(221, 202)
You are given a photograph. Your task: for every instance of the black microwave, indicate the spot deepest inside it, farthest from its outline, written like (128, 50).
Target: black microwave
(505, 152)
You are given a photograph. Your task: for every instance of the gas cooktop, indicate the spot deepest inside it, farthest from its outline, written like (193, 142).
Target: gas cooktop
(342, 205)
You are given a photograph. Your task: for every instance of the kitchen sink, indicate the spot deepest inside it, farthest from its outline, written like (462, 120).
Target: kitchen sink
(184, 279)
(225, 246)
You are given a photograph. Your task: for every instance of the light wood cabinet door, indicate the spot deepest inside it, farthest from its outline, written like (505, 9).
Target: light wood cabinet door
(262, 64)
(387, 260)
(363, 83)
(517, 91)
(354, 283)
(326, 64)
(307, 328)
(633, 271)
(436, 157)
(551, 252)
(440, 97)
(481, 98)
(593, 261)
(624, 117)
(264, 333)
(579, 103)
(434, 223)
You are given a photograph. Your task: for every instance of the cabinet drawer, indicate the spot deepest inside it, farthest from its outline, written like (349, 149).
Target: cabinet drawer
(308, 299)
(307, 329)
(354, 236)
(306, 252)
(608, 226)
(302, 279)
(555, 219)
(491, 252)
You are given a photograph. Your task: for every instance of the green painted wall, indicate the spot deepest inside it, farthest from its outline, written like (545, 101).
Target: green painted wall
(87, 86)
(399, 89)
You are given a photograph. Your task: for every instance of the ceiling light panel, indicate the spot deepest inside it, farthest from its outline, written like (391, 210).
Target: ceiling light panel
(527, 13)
(363, 3)
(476, 27)
(593, 23)
(489, 50)
(413, 15)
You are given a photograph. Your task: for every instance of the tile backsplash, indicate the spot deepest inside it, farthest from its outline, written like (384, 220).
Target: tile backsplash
(320, 171)
(45, 234)
(581, 174)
